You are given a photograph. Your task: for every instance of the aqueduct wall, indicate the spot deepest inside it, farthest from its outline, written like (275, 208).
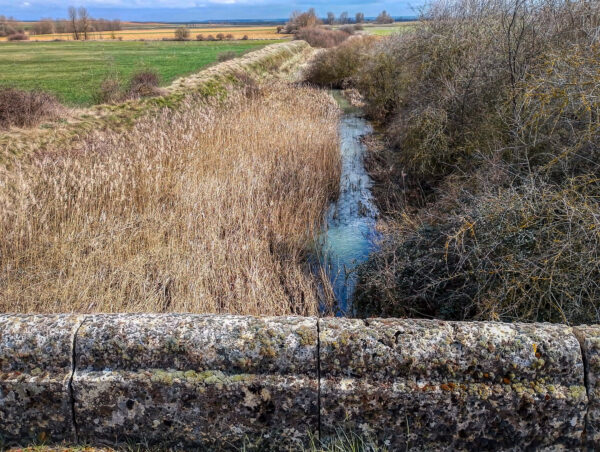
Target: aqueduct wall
(220, 382)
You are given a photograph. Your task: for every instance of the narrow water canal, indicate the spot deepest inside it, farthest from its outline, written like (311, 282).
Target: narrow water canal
(350, 232)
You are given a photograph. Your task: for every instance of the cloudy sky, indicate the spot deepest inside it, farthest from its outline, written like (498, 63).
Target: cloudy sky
(197, 10)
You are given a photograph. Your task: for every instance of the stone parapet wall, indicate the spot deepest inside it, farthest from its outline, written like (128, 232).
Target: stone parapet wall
(273, 383)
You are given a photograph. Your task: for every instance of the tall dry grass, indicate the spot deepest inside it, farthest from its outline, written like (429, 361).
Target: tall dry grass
(209, 210)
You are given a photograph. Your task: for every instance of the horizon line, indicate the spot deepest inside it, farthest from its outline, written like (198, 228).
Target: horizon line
(209, 21)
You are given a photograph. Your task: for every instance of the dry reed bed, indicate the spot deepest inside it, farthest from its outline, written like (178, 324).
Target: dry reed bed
(207, 210)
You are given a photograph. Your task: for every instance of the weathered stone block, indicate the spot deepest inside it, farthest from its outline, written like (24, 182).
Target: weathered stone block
(589, 338)
(215, 382)
(36, 354)
(423, 385)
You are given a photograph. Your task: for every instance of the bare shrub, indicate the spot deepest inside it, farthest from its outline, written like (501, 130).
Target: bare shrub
(467, 64)
(110, 90)
(20, 108)
(220, 36)
(200, 37)
(209, 210)
(18, 37)
(182, 33)
(226, 56)
(556, 117)
(527, 253)
(482, 85)
(144, 83)
(210, 38)
(229, 37)
(350, 29)
(321, 37)
(300, 20)
(338, 66)
(245, 38)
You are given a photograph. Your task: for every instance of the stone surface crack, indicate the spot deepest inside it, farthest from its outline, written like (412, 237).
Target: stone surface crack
(319, 377)
(586, 383)
(70, 386)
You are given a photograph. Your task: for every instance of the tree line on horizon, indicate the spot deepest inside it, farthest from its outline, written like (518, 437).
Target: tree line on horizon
(9, 26)
(309, 19)
(359, 18)
(79, 23)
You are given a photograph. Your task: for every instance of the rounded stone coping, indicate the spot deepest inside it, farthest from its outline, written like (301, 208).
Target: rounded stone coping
(231, 344)
(380, 348)
(488, 352)
(36, 344)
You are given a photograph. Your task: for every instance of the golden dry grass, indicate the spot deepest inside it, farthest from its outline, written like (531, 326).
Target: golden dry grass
(256, 32)
(208, 210)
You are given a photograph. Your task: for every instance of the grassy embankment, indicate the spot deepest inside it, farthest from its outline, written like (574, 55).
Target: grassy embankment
(488, 177)
(277, 60)
(211, 206)
(73, 71)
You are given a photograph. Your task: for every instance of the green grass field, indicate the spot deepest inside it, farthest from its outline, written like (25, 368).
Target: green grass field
(73, 71)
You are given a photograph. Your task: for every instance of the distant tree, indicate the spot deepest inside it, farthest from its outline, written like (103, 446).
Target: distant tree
(384, 18)
(330, 18)
(300, 20)
(74, 23)
(43, 27)
(105, 25)
(8, 26)
(360, 18)
(61, 26)
(85, 24)
(81, 24)
(344, 18)
(182, 33)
